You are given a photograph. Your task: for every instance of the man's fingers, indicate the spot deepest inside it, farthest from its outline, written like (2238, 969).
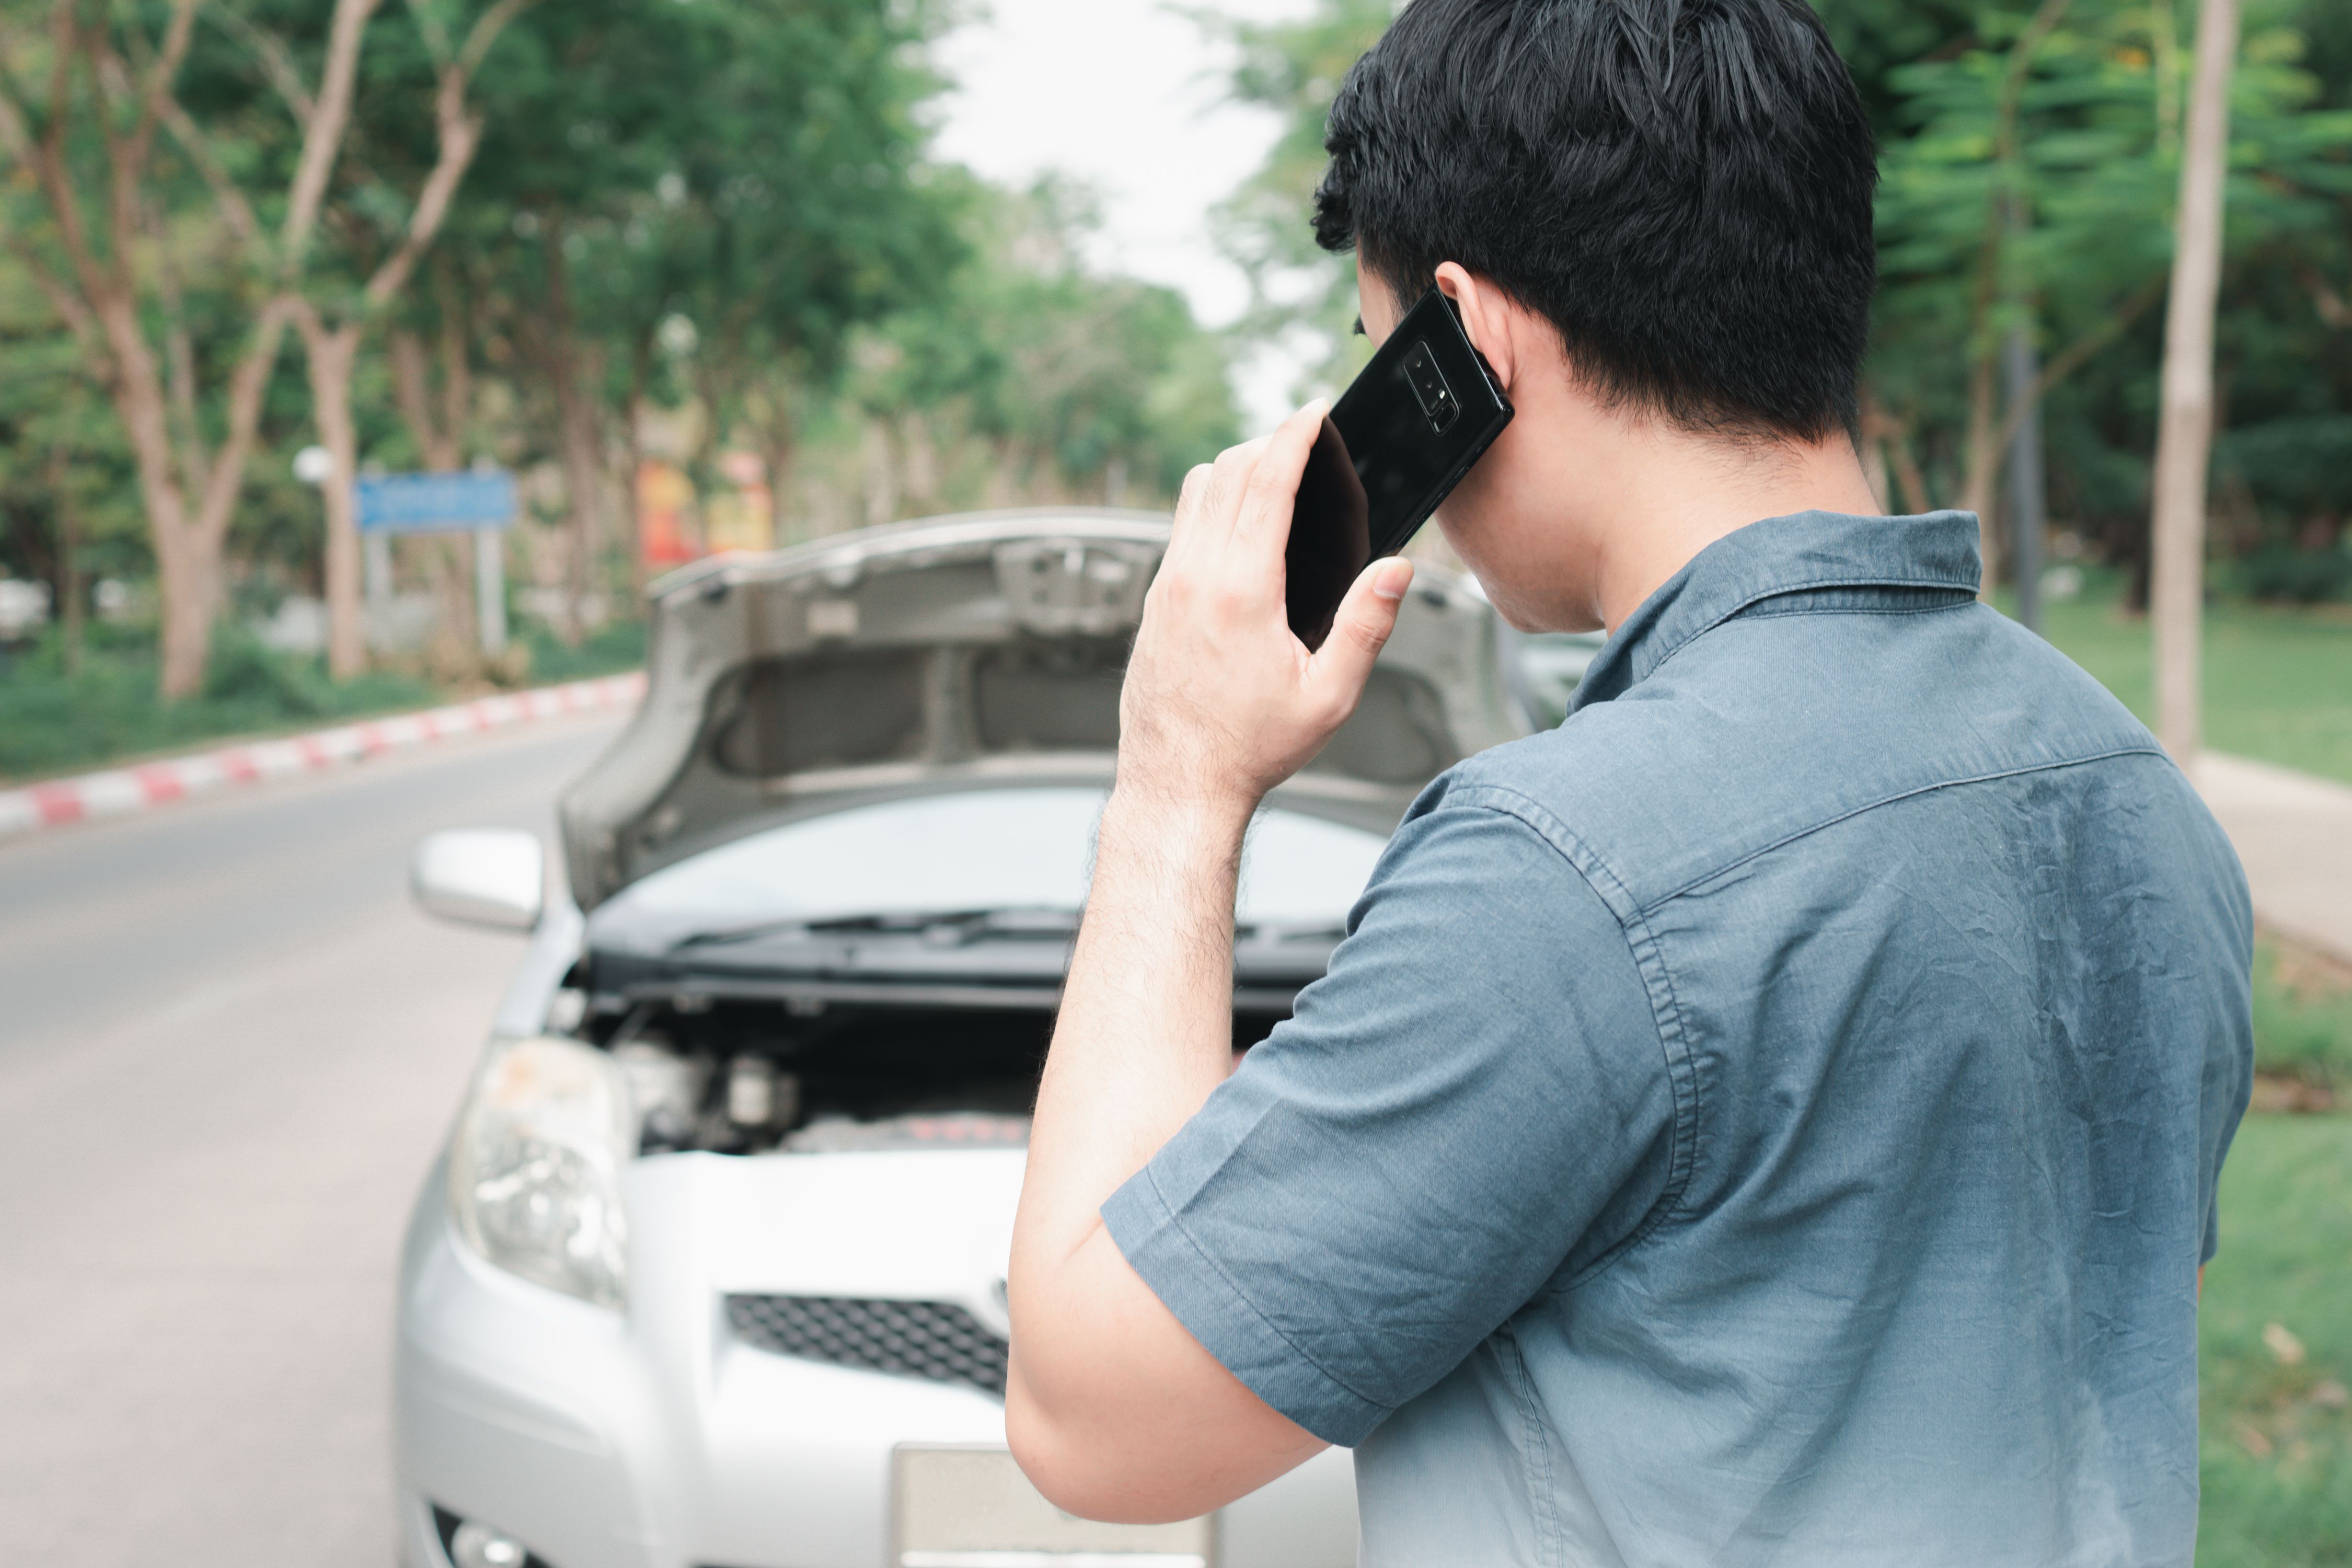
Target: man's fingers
(1196, 489)
(1367, 615)
(1261, 526)
(1190, 504)
(1227, 485)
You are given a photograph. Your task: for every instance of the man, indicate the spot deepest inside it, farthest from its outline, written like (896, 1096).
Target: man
(1772, 1117)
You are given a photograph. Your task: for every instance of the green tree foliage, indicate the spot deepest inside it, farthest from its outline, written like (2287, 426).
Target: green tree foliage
(746, 171)
(2029, 171)
(171, 167)
(1076, 385)
(754, 167)
(684, 229)
(767, 261)
(165, 240)
(1294, 69)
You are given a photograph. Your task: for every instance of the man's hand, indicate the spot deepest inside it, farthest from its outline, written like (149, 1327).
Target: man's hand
(1113, 1408)
(1222, 702)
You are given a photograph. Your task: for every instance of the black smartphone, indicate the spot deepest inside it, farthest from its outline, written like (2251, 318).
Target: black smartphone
(1403, 435)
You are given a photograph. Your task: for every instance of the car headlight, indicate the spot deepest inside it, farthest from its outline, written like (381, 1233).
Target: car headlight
(534, 1173)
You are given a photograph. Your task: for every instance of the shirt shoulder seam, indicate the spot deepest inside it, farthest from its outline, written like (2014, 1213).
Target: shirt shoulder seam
(2148, 748)
(1657, 983)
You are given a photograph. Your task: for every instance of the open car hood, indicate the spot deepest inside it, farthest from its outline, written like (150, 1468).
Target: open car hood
(987, 646)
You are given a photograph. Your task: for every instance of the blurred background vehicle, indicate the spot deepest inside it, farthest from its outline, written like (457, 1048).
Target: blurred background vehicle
(1543, 670)
(712, 1269)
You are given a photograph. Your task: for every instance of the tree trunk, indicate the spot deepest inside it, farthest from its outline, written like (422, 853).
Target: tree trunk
(773, 418)
(778, 450)
(334, 351)
(881, 464)
(1889, 440)
(1874, 470)
(64, 535)
(1907, 477)
(456, 382)
(331, 353)
(2027, 512)
(922, 464)
(1003, 484)
(1982, 459)
(68, 573)
(447, 558)
(186, 583)
(575, 411)
(582, 482)
(632, 458)
(189, 496)
(436, 443)
(2185, 433)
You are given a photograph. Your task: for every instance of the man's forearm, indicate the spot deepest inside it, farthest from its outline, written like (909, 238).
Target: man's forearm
(1146, 1024)
(1113, 1407)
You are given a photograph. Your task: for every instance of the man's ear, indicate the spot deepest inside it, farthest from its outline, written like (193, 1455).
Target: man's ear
(1488, 316)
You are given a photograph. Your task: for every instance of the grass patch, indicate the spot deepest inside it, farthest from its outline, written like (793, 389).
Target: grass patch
(608, 650)
(108, 710)
(2302, 1022)
(52, 722)
(2278, 680)
(2275, 1350)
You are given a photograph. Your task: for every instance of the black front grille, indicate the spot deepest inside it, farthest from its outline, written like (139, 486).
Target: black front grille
(934, 1340)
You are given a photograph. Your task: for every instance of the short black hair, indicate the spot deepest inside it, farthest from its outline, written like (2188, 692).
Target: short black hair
(1682, 187)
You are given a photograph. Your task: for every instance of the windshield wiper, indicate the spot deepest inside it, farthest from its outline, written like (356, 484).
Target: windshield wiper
(942, 928)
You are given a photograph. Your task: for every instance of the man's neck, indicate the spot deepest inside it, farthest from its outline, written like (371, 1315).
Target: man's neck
(1585, 507)
(1672, 494)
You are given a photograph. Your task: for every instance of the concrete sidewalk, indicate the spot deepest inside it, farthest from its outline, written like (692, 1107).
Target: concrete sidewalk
(2294, 834)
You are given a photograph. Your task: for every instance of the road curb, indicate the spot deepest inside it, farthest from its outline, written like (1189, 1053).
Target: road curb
(128, 791)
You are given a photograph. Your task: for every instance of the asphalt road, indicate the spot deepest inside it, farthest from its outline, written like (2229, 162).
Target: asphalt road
(228, 1049)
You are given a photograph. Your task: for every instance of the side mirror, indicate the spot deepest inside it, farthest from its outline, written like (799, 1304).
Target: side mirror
(481, 876)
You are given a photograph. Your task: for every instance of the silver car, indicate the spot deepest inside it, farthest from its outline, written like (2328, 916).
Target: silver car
(712, 1272)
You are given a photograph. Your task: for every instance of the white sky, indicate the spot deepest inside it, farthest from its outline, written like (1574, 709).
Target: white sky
(1124, 95)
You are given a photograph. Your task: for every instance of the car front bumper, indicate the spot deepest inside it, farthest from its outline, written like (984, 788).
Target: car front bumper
(654, 1439)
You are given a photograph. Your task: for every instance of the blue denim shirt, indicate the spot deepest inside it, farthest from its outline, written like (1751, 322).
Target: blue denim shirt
(1772, 1117)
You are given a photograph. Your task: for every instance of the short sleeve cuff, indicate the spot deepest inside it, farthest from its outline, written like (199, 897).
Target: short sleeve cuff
(1233, 1329)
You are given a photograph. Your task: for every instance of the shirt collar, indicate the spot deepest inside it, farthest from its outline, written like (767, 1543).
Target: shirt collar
(1798, 554)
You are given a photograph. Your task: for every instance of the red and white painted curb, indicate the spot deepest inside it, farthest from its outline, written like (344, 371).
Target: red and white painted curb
(124, 792)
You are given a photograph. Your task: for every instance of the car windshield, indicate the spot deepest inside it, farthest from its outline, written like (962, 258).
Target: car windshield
(1027, 849)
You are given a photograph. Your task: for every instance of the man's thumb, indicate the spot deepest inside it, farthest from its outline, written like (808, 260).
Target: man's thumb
(1367, 615)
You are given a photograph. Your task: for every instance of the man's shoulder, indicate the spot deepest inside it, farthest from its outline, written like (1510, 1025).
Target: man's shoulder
(1761, 731)
(1557, 787)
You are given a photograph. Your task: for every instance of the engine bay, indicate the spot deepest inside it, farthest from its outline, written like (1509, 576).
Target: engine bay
(757, 1075)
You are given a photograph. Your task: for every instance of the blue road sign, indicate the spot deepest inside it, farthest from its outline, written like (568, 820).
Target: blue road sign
(435, 503)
